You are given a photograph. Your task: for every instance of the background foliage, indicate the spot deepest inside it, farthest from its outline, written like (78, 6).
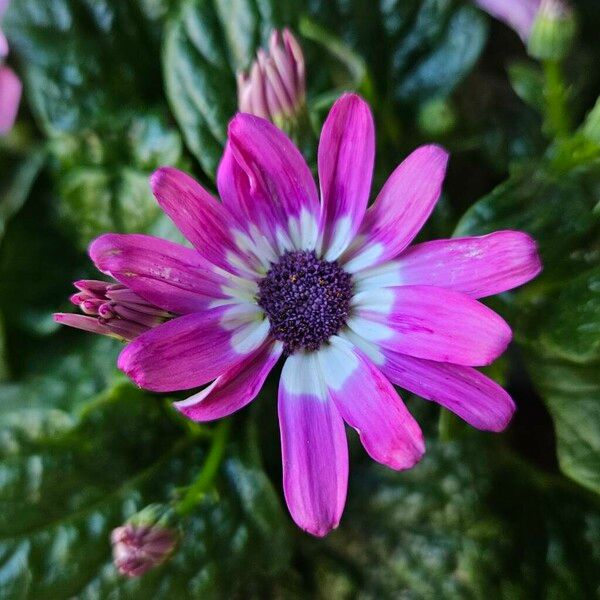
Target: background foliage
(114, 88)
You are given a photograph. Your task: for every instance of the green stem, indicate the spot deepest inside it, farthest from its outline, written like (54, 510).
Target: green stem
(209, 470)
(555, 93)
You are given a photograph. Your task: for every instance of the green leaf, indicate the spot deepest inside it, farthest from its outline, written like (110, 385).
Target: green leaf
(97, 100)
(448, 62)
(465, 523)
(107, 187)
(76, 460)
(558, 320)
(571, 393)
(37, 266)
(528, 82)
(77, 59)
(206, 42)
(18, 176)
(566, 324)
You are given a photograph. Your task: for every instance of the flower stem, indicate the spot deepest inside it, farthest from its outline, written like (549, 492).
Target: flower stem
(209, 470)
(555, 93)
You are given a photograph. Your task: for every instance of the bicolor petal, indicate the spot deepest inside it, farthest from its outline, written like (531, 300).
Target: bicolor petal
(400, 210)
(369, 403)
(204, 221)
(432, 323)
(168, 275)
(472, 396)
(346, 157)
(476, 266)
(313, 446)
(194, 349)
(234, 389)
(281, 194)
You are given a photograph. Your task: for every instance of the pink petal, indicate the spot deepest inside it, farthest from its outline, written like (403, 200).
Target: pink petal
(432, 323)
(401, 208)
(313, 446)
(477, 266)
(368, 402)
(346, 157)
(278, 187)
(233, 390)
(199, 216)
(90, 324)
(10, 96)
(517, 14)
(175, 278)
(466, 392)
(190, 351)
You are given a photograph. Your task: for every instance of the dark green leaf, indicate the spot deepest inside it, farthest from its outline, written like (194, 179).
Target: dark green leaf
(557, 209)
(571, 393)
(461, 525)
(206, 42)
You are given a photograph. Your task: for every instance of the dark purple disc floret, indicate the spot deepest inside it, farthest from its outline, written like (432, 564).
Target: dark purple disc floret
(307, 300)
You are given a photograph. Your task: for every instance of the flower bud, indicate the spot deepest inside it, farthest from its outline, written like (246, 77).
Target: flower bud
(274, 88)
(144, 542)
(553, 31)
(112, 309)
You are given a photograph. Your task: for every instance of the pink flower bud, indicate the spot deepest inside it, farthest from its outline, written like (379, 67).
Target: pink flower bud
(274, 88)
(139, 548)
(112, 309)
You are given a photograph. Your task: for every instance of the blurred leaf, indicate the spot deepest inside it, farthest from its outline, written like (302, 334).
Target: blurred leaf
(106, 187)
(572, 394)
(559, 316)
(96, 98)
(37, 265)
(528, 82)
(459, 526)
(424, 47)
(206, 42)
(77, 59)
(67, 480)
(18, 176)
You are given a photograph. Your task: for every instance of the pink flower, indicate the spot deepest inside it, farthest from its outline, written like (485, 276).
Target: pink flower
(10, 84)
(275, 87)
(330, 286)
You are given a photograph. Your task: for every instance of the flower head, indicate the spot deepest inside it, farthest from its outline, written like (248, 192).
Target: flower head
(143, 543)
(274, 87)
(279, 270)
(10, 84)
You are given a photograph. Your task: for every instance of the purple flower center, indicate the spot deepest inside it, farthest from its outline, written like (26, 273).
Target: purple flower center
(307, 300)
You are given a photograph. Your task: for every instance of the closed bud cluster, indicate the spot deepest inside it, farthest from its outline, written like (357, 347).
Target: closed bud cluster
(274, 88)
(144, 541)
(111, 309)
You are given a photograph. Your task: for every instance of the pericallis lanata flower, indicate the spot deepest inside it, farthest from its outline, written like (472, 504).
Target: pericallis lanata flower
(10, 84)
(330, 286)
